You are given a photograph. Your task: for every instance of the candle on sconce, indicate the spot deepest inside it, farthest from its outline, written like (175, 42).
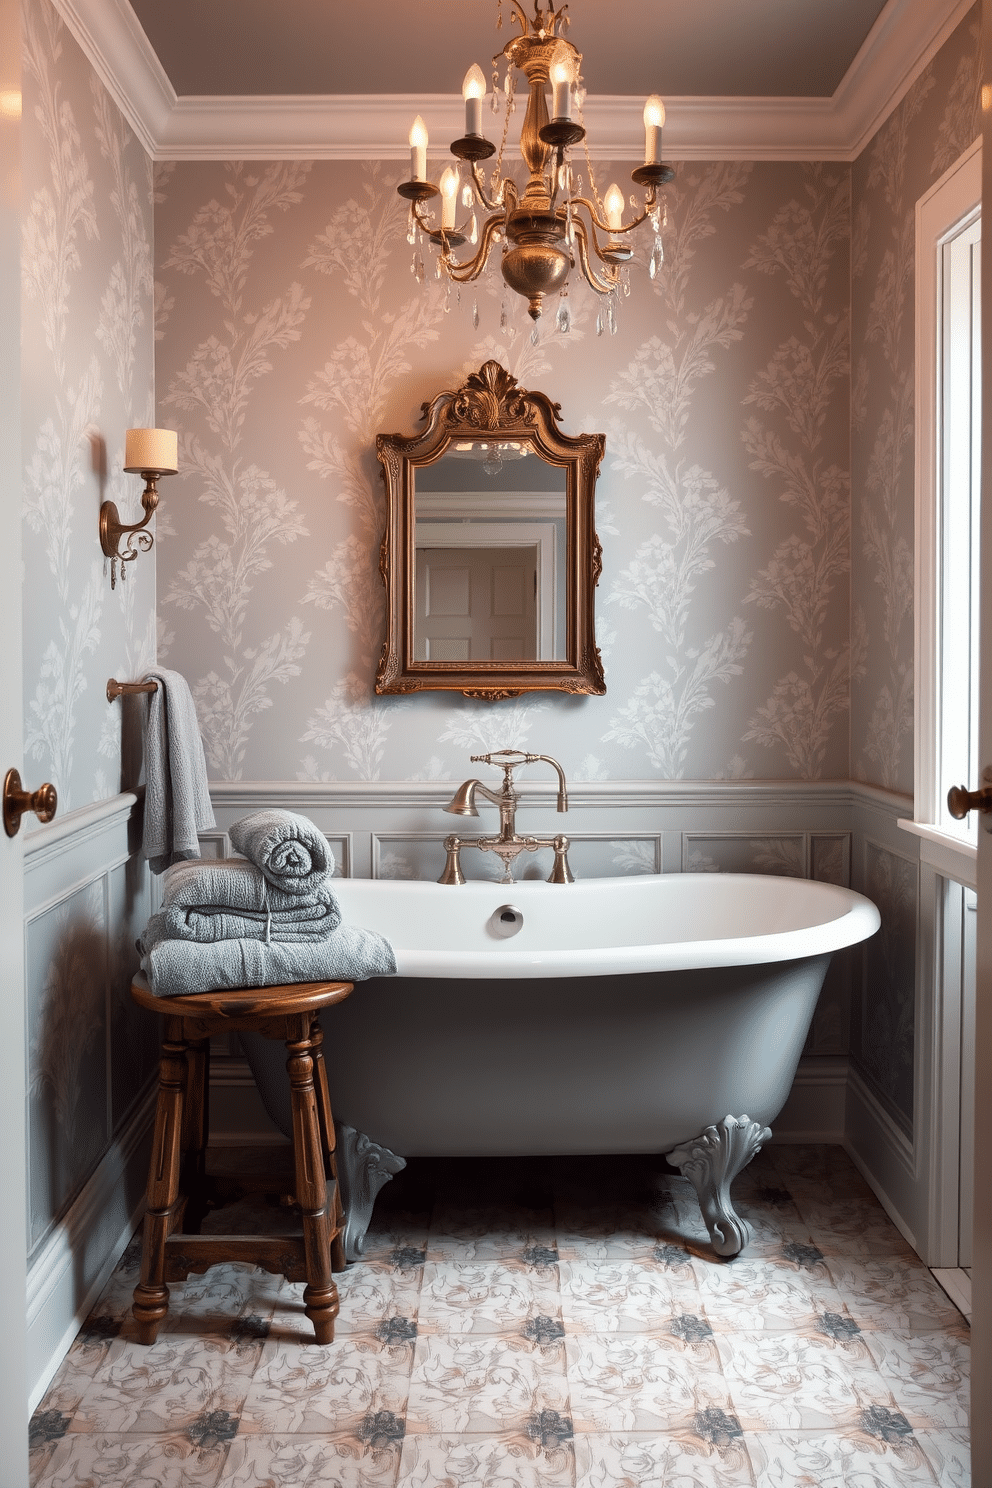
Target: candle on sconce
(473, 92)
(561, 85)
(151, 449)
(418, 150)
(449, 197)
(654, 119)
(613, 207)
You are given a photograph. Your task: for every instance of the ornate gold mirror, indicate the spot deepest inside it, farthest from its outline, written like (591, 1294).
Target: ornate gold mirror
(490, 556)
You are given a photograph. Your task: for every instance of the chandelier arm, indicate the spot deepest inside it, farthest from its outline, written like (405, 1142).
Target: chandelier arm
(597, 221)
(491, 203)
(601, 286)
(420, 220)
(463, 273)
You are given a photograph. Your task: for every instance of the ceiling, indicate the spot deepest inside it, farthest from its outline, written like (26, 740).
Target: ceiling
(342, 79)
(785, 48)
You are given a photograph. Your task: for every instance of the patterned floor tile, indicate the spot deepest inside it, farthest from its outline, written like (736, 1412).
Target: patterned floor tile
(485, 1385)
(369, 1460)
(928, 1374)
(890, 1293)
(885, 1455)
(542, 1324)
(626, 1382)
(540, 1455)
(181, 1380)
(112, 1461)
(717, 1459)
(489, 1297)
(750, 1295)
(300, 1387)
(949, 1455)
(624, 1296)
(798, 1381)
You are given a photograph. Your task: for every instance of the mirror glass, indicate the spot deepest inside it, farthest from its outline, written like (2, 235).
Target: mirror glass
(490, 576)
(490, 556)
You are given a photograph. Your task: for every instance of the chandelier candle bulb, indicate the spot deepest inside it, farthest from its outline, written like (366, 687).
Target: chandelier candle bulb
(449, 197)
(613, 206)
(654, 119)
(418, 150)
(561, 83)
(151, 449)
(473, 92)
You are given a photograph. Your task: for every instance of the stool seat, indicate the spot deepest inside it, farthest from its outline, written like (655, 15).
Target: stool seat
(178, 1194)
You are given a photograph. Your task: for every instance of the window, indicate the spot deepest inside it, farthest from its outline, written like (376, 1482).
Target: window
(948, 454)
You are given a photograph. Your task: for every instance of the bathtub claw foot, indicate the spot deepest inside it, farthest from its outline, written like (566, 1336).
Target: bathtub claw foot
(363, 1169)
(711, 1162)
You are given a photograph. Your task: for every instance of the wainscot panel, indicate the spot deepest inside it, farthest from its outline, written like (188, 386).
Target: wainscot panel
(91, 1058)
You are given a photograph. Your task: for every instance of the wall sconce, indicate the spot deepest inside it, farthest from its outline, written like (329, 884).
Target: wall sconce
(148, 453)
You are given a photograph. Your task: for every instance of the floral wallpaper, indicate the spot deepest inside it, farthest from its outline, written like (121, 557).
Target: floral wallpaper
(935, 122)
(292, 331)
(88, 376)
(295, 322)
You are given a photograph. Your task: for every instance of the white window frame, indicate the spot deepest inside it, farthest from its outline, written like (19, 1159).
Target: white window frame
(940, 214)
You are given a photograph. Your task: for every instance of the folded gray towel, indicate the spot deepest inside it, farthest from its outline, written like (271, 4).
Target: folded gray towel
(230, 899)
(292, 853)
(177, 798)
(177, 967)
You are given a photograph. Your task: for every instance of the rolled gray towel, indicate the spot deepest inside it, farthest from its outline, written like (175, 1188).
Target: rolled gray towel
(350, 954)
(230, 899)
(292, 853)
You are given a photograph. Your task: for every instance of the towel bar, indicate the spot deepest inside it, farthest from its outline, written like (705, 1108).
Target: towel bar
(116, 689)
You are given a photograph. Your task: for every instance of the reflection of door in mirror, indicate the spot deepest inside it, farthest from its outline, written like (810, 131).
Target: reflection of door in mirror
(489, 575)
(476, 604)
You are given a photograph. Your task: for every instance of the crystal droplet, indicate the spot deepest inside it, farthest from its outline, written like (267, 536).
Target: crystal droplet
(475, 314)
(473, 232)
(599, 323)
(563, 320)
(411, 236)
(611, 315)
(534, 337)
(447, 298)
(418, 269)
(437, 267)
(625, 281)
(503, 318)
(664, 214)
(466, 195)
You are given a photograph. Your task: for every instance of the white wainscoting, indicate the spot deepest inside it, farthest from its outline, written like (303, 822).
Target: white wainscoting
(91, 1055)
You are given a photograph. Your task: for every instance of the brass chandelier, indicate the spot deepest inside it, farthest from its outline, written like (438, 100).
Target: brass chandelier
(543, 232)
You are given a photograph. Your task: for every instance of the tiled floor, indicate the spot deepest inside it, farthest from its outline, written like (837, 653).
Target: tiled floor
(542, 1323)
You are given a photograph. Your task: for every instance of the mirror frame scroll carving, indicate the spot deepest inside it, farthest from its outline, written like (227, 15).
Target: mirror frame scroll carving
(491, 405)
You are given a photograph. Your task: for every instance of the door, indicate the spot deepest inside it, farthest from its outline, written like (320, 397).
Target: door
(13, 1204)
(981, 1278)
(476, 604)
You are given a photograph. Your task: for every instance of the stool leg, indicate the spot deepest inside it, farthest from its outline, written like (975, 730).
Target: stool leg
(151, 1295)
(320, 1296)
(338, 1261)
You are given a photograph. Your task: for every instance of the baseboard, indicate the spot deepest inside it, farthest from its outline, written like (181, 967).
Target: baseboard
(884, 1156)
(73, 1264)
(814, 1111)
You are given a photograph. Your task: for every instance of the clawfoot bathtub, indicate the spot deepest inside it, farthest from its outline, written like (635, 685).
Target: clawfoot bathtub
(665, 1013)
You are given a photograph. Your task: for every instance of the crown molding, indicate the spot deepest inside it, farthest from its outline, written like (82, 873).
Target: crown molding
(904, 39)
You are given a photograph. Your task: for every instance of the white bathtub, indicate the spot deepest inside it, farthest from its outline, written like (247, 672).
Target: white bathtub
(664, 1013)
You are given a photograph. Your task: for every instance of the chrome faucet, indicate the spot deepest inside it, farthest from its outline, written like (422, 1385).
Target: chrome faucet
(508, 845)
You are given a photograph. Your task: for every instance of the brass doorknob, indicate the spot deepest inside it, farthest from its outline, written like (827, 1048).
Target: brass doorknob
(16, 801)
(960, 800)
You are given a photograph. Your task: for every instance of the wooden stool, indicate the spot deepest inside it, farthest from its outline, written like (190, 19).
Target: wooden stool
(178, 1199)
